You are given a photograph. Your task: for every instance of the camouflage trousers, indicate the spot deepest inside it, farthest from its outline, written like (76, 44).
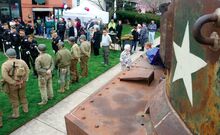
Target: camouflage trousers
(46, 89)
(64, 77)
(73, 70)
(16, 93)
(84, 65)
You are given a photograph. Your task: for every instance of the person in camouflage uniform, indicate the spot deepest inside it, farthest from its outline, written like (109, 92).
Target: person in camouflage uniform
(75, 52)
(85, 49)
(44, 66)
(63, 60)
(15, 74)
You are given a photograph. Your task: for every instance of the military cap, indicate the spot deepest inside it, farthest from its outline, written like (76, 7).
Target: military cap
(42, 47)
(11, 53)
(72, 39)
(61, 43)
(82, 37)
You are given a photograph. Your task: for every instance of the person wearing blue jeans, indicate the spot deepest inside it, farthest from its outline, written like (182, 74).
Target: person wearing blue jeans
(152, 27)
(49, 24)
(48, 30)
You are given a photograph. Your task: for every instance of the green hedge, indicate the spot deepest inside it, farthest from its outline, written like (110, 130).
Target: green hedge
(134, 17)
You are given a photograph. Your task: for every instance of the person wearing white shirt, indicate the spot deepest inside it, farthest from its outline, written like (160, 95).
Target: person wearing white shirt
(105, 43)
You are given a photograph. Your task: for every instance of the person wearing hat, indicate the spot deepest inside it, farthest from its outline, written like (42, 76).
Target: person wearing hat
(63, 60)
(85, 50)
(15, 74)
(75, 53)
(44, 66)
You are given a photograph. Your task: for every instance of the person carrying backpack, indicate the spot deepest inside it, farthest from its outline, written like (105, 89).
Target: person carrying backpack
(14, 75)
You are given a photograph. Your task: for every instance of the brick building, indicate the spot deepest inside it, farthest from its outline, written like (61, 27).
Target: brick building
(31, 9)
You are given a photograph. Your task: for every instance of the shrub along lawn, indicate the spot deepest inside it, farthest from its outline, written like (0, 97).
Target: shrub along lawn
(127, 30)
(96, 68)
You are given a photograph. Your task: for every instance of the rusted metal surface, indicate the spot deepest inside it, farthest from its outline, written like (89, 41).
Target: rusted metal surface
(208, 18)
(115, 109)
(204, 115)
(141, 74)
(166, 36)
(164, 118)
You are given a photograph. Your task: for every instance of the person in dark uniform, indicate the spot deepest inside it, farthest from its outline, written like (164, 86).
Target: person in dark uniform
(19, 26)
(28, 29)
(33, 52)
(6, 37)
(25, 47)
(1, 36)
(61, 28)
(15, 41)
(55, 41)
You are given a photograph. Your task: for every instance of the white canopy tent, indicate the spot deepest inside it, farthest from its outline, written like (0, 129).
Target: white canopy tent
(85, 12)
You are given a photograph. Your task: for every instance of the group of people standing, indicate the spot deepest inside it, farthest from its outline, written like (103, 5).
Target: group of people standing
(24, 53)
(143, 34)
(15, 72)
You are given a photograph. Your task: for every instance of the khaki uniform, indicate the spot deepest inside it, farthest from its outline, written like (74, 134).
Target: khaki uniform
(84, 57)
(14, 86)
(43, 63)
(75, 52)
(63, 60)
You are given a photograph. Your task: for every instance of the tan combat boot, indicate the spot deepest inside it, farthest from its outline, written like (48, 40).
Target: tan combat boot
(67, 85)
(25, 108)
(42, 103)
(62, 90)
(15, 114)
(1, 122)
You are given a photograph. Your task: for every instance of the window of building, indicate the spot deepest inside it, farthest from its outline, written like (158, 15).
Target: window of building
(38, 2)
(15, 8)
(58, 12)
(9, 9)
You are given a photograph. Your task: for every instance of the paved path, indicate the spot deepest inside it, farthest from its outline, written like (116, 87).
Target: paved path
(52, 122)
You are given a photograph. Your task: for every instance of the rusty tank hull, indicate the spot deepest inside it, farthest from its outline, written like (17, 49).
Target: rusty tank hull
(186, 102)
(193, 85)
(119, 107)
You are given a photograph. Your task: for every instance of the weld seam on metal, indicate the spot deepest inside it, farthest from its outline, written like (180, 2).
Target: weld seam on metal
(162, 120)
(75, 116)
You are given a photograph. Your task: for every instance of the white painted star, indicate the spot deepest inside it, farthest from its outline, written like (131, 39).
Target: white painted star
(187, 63)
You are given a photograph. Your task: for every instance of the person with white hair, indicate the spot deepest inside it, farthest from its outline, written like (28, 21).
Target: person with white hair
(125, 58)
(97, 38)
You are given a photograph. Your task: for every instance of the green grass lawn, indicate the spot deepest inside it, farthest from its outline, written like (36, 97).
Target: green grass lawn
(96, 68)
